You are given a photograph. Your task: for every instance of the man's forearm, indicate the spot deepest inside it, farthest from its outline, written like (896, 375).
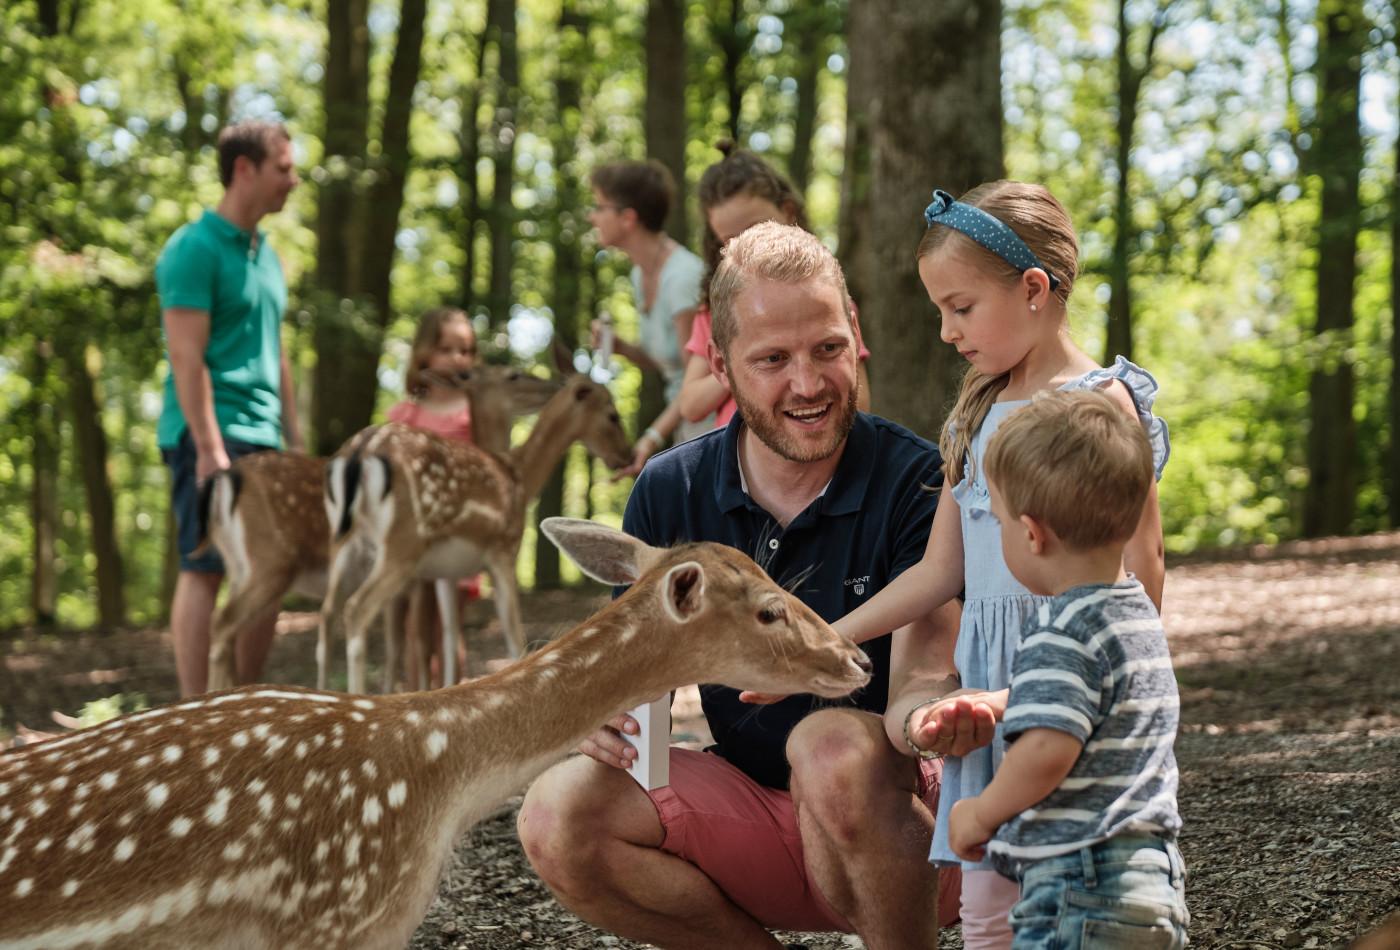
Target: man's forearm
(194, 390)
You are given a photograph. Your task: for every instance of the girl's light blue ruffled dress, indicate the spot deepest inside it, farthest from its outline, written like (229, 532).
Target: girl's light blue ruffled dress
(997, 605)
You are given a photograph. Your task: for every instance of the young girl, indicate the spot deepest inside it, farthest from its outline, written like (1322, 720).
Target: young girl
(443, 346)
(737, 192)
(999, 264)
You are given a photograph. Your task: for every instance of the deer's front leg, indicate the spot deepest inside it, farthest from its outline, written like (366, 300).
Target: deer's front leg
(502, 568)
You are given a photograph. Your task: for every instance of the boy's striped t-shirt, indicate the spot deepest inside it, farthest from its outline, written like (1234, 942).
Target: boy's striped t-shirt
(1094, 663)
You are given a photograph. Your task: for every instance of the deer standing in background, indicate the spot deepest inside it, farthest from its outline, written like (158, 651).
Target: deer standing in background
(267, 515)
(427, 508)
(285, 817)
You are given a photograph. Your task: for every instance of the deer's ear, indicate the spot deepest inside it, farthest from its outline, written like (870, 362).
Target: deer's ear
(603, 553)
(563, 359)
(683, 591)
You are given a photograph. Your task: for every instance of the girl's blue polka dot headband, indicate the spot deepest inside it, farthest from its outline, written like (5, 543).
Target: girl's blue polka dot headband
(987, 230)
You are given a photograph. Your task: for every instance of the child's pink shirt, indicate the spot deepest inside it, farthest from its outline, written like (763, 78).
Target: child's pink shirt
(699, 344)
(455, 425)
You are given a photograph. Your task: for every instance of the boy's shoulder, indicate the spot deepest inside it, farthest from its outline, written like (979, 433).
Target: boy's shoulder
(1090, 612)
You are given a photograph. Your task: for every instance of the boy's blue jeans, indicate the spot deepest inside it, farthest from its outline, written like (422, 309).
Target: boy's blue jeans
(1129, 891)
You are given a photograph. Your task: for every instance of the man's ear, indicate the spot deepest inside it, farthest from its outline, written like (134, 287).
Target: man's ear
(717, 364)
(1037, 534)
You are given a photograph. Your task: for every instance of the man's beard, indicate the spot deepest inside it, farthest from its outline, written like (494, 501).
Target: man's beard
(770, 427)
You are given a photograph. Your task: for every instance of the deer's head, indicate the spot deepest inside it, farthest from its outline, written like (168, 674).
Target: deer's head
(735, 624)
(596, 422)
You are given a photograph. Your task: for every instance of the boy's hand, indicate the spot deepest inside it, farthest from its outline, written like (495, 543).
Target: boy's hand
(966, 834)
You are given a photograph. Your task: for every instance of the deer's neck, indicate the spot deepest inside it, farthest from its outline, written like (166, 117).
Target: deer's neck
(507, 728)
(536, 457)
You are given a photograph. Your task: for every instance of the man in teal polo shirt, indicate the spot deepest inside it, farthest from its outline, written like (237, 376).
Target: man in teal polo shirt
(229, 389)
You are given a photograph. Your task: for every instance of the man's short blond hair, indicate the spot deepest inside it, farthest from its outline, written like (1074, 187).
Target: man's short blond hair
(768, 251)
(1076, 462)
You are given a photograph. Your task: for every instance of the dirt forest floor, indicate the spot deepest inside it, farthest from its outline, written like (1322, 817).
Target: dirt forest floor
(1289, 664)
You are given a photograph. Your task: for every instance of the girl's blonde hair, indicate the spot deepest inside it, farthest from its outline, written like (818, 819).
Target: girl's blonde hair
(425, 341)
(1040, 221)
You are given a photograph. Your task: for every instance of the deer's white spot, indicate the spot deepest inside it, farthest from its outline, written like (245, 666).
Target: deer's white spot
(43, 843)
(143, 763)
(358, 716)
(265, 804)
(79, 793)
(300, 750)
(293, 801)
(171, 754)
(256, 785)
(322, 850)
(59, 784)
(217, 810)
(69, 888)
(81, 840)
(364, 704)
(211, 756)
(413, 717)
(156, 794)
(23, 888)
(239, 740)
(274, 744)
(107, 780)
(396, 794)
(368, 767)
(437, 742)
(262, 729)
(38, 807)
(125, 848)
(233, 851)
(7, 857)
(372, 810)
(180, 827)
(352, 849)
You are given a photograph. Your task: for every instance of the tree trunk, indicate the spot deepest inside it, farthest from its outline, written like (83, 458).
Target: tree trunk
(1119, 340)
(928, 76)
(468, 185)
(1330, 500)
(664, 116)
(729, 37)
(342, 405)
(43, 492)
(1392, 468)
(854, 214)
(390, 174)
(568, 223)
(500, 28)
(91, 443)
(805, 30)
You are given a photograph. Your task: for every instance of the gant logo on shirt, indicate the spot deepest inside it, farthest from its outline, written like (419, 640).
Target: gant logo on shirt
(857, 584)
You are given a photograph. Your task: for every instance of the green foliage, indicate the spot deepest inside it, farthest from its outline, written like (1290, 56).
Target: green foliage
(106, 148)
(98, 711)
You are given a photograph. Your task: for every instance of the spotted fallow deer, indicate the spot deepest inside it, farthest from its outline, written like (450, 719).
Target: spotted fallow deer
(428, 508)
(286, 817)
(267, 516)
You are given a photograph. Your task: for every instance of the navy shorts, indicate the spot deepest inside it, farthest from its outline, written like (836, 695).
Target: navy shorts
(184, 499)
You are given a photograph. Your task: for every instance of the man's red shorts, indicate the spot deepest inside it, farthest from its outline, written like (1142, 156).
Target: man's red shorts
(744, 836)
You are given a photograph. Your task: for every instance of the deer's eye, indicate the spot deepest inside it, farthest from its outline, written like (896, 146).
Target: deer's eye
(771, 614)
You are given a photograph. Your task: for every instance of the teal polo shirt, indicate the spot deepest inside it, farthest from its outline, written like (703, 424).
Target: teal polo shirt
(214, 266)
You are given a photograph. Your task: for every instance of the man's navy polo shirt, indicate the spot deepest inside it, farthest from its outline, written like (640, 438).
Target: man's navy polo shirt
(869, 526)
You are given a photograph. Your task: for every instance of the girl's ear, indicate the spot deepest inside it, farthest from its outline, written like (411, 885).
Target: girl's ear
(1037, 286)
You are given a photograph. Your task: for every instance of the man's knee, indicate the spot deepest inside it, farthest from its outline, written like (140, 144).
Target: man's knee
(841, 771)
(571, 814)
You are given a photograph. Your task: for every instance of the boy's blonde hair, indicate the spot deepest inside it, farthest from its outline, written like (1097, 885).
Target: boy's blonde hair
(783, 253)
(1045, 226)
(425, 341)
(1076, 462)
